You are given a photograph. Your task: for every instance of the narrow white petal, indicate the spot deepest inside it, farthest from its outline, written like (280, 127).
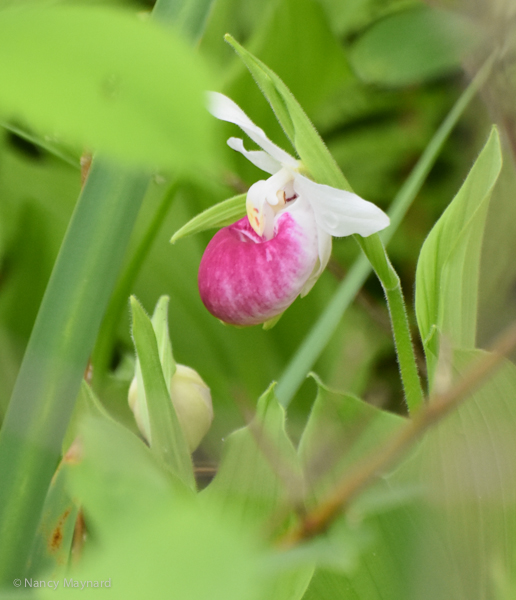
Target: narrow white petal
(338, 212)
(259, 158)
(225, 109)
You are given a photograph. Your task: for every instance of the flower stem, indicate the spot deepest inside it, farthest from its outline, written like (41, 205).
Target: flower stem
(320, 334)
(375, 252)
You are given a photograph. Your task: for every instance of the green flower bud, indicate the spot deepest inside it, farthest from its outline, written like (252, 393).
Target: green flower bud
(191, 398)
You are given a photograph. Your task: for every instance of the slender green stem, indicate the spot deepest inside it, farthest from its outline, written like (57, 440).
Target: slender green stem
(375, 252)
(320, 334)
(414, 396)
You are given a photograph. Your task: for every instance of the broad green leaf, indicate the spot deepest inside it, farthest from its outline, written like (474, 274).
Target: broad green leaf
(341, 430)
(355, 15)
(290, 584)
(151, 537)
(448, 268)
(257, 481)
(457, 538)
(118, 478)
(167, 438)
(259, 472)
(107, 80)
(305, 139)
(466, 465)
(412, 46)
(178, 551)
(222, 214)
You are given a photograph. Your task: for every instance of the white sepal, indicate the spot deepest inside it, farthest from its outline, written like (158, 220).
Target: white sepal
(225, 109)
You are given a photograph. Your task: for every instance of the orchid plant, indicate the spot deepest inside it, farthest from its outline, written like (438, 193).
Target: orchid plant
(346, 499)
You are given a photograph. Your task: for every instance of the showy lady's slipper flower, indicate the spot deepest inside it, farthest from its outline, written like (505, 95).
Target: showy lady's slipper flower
(254, 269)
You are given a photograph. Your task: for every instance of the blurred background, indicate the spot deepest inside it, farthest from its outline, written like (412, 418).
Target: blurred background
(376, 77)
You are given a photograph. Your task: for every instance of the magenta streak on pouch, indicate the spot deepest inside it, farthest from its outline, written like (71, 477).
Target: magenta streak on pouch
(245, 280)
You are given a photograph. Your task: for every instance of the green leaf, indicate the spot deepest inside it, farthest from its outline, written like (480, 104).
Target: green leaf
(456, 539)
(257, 482)
(308, 143)
(87, 404)
(222, 214)
(259, 472)
(167, 438)
(412, 46)
(107, 80)
(52, 544)
(341, 430)
(448, 268)
(149, 534)
(160, 324)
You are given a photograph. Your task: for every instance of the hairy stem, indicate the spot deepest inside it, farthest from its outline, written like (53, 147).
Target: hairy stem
(319, 336)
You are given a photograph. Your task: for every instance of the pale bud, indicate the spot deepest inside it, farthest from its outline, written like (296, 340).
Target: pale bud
(192, 402)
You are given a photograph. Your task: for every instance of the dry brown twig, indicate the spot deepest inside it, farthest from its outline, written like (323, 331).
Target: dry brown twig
(368, 470)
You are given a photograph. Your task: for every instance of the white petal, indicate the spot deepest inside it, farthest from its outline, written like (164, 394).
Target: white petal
(324, 248)
(338, 212)
(260, 159)
(225, 109)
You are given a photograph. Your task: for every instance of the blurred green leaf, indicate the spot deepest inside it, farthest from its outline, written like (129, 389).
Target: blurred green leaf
(354, 15)
(150, 536)
(341, 430)
(52, 544)
(105, 79)
(456, 537)
(448, 268)
(87, 404)
(222, 214)
(167, 438)
(259, 472)
(412, 46)
(118, 480)
(297, 43)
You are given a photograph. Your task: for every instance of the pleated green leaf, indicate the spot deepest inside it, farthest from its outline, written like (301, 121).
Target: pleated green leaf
(259, 472)
(447, 274)
(341, 430)
(107, 80)
(455, 538)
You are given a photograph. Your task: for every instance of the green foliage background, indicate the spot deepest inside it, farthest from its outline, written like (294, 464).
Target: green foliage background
(376, 77)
